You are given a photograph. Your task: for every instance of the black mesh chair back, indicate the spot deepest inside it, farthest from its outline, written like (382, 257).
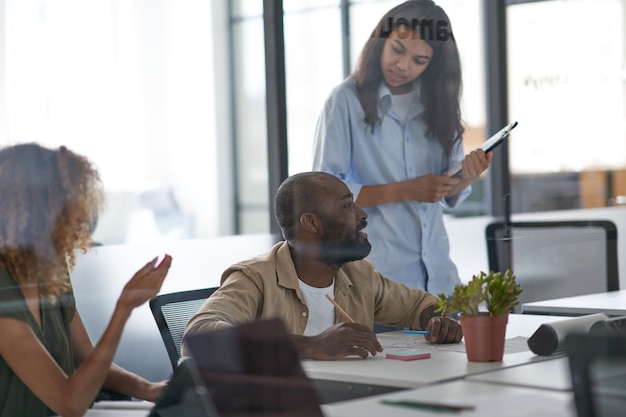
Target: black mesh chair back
(555, 259)
(172, 312)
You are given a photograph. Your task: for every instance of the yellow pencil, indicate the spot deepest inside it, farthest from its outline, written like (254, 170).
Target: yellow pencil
(340, 310)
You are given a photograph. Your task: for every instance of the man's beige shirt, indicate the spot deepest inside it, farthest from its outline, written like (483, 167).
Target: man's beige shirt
(267, 286)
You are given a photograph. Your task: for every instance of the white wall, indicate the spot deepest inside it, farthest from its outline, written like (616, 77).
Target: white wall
(101, 273)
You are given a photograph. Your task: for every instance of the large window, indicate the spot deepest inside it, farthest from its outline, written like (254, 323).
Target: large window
(132, 85)
(168, 98)
(314, 57)
(567, 89)
(250, 127)
(313, 61)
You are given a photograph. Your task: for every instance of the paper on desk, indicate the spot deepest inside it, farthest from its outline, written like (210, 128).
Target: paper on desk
(514, 345)
(393, 340)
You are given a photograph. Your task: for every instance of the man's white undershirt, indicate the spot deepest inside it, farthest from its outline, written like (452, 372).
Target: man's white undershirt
(321, 311)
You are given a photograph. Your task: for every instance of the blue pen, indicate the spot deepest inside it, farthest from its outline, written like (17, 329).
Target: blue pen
(416, 332)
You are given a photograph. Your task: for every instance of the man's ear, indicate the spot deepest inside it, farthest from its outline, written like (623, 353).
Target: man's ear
(310, 222)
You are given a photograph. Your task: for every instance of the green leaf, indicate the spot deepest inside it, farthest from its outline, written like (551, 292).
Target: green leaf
(500, 292)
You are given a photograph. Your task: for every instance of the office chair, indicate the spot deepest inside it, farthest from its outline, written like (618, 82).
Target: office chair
(172, 312)
(555, 259)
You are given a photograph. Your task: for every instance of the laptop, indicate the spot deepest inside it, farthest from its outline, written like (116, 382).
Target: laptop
(598, 370)
(254, 370)
(185, 394)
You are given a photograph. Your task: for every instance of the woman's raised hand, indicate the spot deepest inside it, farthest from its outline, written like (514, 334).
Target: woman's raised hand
(146, 283)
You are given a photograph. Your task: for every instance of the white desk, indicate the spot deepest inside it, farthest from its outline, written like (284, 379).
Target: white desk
(612, 303)
(443, 365)
(120, 409)
(489, 400)
(117, 413)
(378, 371)
(552, 375)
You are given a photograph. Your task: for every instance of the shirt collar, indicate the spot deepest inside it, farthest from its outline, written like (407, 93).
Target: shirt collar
(384, 98)
(286, 271)
(342, 282)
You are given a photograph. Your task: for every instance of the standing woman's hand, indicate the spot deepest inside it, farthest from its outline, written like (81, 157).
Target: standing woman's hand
(430, 188)
(474, 164)
(145, 284)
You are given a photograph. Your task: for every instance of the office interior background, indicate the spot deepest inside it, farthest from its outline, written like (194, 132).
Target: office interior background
(169, 99)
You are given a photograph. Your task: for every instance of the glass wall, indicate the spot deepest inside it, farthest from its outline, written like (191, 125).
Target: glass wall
(567, 90)
(250, 124)
(168, 99)
(314, 65)
(137, 87)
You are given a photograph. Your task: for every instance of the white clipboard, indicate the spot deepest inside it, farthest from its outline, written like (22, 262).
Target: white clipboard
(490, 144)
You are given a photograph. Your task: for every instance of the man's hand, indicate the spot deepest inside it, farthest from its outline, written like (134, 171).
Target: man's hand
(340, 341)
(444, 330)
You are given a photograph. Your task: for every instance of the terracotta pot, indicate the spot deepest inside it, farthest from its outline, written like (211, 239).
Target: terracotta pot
(484, 337)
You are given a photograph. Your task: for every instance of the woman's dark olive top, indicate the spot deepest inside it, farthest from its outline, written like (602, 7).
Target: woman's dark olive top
(16, 400)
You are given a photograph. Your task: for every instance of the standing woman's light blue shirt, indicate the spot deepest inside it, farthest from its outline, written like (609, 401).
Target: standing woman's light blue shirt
(409, 240)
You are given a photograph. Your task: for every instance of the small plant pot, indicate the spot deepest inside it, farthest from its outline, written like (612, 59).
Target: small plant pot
(484, 337)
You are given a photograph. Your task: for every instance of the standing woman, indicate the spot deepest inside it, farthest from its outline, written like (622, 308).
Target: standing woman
(392, 131)
(48, 365)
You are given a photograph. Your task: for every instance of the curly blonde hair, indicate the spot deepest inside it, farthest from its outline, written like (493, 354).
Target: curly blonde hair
(50, 200)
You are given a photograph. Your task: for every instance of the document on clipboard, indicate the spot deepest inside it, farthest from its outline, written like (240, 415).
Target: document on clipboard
(490, 144)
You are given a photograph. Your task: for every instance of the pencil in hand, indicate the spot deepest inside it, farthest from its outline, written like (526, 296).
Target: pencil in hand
(340, 310)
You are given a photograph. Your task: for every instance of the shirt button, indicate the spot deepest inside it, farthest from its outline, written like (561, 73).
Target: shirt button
(304, 314)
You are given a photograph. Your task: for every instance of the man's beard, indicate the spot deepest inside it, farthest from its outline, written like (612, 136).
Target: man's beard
(336, 252)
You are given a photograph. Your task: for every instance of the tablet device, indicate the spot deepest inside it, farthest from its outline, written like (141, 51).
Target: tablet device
(185, 394)
(490, 144)
(254, 369)
(598, 371)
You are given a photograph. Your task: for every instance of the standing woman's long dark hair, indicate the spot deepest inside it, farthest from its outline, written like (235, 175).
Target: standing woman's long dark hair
(440, 83)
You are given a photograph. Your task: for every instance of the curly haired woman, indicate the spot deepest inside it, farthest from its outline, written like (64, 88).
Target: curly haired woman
(48, 365)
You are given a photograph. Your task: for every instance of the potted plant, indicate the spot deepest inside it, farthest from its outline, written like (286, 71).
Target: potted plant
(484, 304)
